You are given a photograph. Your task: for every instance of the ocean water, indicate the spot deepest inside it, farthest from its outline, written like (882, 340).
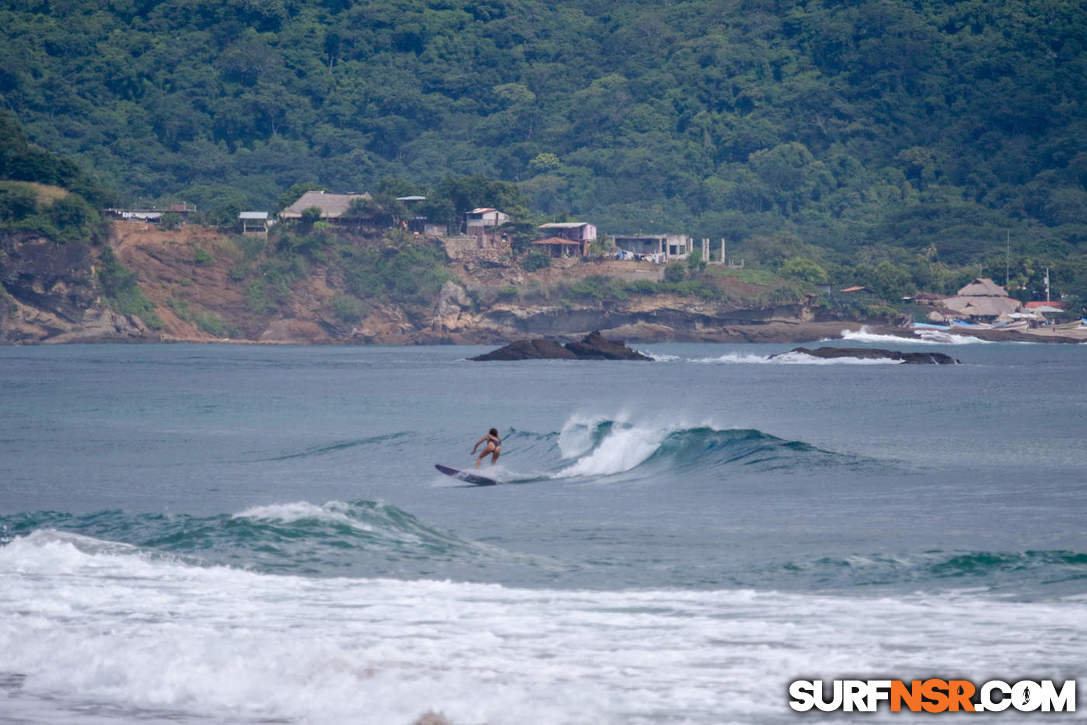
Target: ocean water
(228, 534)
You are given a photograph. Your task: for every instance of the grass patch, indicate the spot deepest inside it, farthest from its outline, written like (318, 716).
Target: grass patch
(347, 309)
(212, 324)
(751, 276)
(122, 293)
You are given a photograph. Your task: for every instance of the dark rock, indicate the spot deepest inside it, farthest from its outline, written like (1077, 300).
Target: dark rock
(593, 346)
(50, 276)
(539, 349)
(865, 353)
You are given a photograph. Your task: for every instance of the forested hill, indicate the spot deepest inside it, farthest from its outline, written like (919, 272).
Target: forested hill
(918, 130)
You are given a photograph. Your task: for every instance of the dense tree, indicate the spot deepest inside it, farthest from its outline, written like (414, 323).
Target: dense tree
(867, 124)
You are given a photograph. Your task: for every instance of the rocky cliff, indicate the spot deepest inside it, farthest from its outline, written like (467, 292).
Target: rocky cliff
(49, 293)
(194, 284)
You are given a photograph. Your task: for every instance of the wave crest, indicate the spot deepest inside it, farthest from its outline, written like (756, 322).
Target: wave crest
(362, 537)
(612, 447)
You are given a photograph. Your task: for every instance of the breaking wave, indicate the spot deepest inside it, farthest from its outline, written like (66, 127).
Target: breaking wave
(363, 538)
(921, 337)
(602, 447)
(792, 358)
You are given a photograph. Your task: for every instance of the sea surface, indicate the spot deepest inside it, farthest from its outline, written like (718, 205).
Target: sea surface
(244, 534)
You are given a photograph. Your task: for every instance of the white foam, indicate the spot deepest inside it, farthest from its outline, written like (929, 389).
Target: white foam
(659, 356)
(132, 636)
(792, 358)
(923, 336)
(621, 450)
(332, 511)
(576, 436)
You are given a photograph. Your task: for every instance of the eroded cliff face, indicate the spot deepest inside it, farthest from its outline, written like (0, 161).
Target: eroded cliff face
(652, 318)
(51, 293)
(48, 293)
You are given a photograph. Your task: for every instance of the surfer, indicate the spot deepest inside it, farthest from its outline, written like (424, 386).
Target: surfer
(494, 447)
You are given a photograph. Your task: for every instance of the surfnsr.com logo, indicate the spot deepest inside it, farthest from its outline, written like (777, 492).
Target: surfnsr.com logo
(932, 695)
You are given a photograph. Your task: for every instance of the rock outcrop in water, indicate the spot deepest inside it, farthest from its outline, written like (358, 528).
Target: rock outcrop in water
(593, 346)
(862, 353)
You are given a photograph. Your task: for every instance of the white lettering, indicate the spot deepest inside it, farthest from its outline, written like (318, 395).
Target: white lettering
(988, 704)
(802, 693)
(834, 703)
(1026, 696)
(1063, 701)
(878, 690)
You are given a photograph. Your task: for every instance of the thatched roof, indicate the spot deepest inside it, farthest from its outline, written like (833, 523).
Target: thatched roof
(981, 306)
(983, 287)
(332, 206)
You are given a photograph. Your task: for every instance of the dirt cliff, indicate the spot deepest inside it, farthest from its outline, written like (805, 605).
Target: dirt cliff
(195, 284)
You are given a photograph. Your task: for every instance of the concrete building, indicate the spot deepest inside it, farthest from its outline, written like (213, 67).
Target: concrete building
(670, 246)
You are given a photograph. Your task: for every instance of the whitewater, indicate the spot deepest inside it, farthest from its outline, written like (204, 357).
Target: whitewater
(247, 535)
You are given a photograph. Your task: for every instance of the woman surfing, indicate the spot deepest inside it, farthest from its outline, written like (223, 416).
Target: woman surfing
(493, 446)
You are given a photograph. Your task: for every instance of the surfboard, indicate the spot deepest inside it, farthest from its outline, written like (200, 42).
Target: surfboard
(473, 478)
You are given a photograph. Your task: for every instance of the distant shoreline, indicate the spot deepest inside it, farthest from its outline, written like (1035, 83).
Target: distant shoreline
(774, 332)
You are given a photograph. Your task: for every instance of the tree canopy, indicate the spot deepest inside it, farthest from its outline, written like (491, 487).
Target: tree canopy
(875, 124)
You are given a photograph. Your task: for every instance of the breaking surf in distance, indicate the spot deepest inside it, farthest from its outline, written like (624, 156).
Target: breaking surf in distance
(921, 337)
(790, 358)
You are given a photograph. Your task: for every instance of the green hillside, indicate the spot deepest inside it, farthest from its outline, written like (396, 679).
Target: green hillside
(896, 144)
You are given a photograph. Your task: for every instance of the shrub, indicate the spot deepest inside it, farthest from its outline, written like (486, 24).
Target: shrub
(642, 287)
(251, 246)
(411, 274)
(256, 297)
(535, 259)
(122, 292)
(804, 270)
(675, 272)
(211, 323)
(180, 308)
(71, 212)
(347, 308)
(17, 203)
(203, 257)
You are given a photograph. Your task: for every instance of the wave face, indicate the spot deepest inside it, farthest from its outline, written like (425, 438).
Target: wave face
(1000, 573)
(604, 447)
(359, 538)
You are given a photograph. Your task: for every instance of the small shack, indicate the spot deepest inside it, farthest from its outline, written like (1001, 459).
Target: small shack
(558, 247)
(418, 223)
(482, 222)
(254, 223)
(571, 231)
